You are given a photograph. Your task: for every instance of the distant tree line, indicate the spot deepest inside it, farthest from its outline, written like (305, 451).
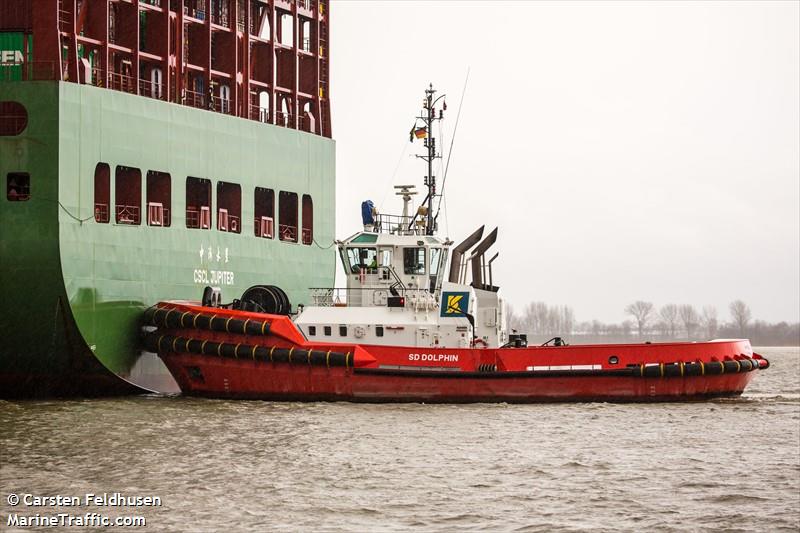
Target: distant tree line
(669, 322)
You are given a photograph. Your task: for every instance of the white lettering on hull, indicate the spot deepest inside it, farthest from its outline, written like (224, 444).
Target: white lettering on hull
(213, 277)
(434, 357)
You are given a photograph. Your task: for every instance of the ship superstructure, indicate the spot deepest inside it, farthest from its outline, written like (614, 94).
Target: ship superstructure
(149, 148)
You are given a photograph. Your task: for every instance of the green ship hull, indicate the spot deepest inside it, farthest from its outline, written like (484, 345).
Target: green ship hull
(73, 290)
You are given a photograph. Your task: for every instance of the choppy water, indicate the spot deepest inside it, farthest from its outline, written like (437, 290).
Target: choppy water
(233, 465)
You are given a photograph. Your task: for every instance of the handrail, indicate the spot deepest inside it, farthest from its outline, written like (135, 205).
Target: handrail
(329, 296)
(30, 71)
(287, 232)
(127, 214)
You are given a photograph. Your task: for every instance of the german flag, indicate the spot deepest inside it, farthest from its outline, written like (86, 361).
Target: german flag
(420, 133)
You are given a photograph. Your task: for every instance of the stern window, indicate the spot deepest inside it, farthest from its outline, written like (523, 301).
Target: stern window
(198, 203)
(18, 186)
(379, 331)
(102, 192)
(308, 220)
(287, 216)
(265, 213)
(128, 195)
(159, 199)
(343, 331)
(13, 118)
(229, 207)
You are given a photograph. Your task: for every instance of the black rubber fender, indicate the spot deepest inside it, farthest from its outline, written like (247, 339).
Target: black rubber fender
(161, 343)
(652, 371)
(692, 369)
(672, 370)
(171, 318)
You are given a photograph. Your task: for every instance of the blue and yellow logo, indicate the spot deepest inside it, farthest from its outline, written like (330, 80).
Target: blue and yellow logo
(455, 304)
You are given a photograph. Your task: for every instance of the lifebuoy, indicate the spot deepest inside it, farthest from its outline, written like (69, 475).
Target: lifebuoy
(480, 343)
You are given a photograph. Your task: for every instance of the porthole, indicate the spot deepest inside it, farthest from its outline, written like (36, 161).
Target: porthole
(613, 360)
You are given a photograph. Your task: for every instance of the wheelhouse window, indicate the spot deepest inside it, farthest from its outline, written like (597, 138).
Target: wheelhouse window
(287, 216)
(264, 223)
(18, 186)
(414, 260)
(198, 203)
(385, 257)
(308, 220)
(361, 259)
(128, 195)
(433, 269)
(229, 207)
(159, 198)
(102, 192)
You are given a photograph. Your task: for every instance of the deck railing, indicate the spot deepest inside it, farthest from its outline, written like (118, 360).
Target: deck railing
(128, 214)
(287, 232)
(30, 71)
(198, 218)
(369, 297)
(194, 99)
(101, 213)
(259, 113)
(399, 224)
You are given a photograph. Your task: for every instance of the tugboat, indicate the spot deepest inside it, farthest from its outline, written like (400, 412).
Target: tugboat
(409, 327)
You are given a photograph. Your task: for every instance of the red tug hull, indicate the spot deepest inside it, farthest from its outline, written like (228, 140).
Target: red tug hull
(224, 353)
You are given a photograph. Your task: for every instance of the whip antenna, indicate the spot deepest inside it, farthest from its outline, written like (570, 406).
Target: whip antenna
(450, 151)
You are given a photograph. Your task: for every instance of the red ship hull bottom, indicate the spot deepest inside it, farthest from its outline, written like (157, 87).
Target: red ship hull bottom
(200, 375)
(224, 353)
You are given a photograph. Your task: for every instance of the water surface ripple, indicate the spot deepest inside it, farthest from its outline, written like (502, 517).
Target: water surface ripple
(233, 465)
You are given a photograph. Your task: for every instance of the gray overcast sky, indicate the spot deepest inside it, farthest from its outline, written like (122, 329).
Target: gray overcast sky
(626, 150)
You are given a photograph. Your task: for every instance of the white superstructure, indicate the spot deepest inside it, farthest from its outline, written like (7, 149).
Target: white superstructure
(408, 288)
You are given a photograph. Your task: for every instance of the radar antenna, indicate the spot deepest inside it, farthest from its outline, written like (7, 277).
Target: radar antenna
(406, 191)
